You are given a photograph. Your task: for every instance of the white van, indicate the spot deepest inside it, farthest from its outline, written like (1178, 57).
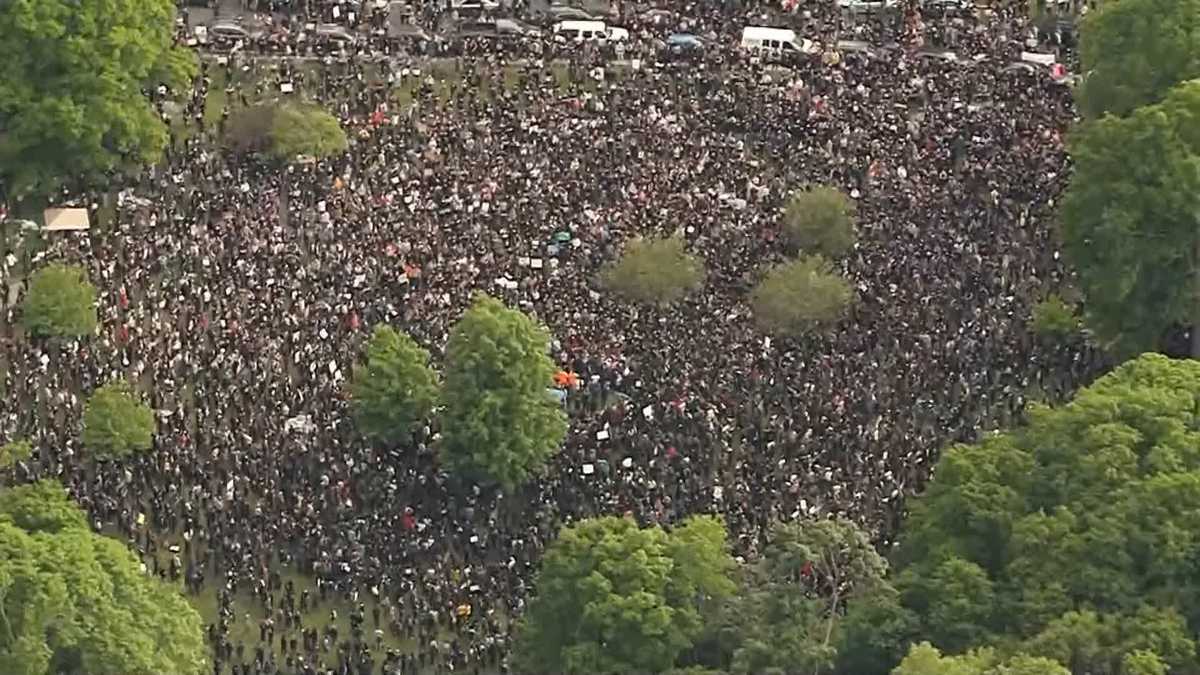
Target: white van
(775, 43)
(585, 31)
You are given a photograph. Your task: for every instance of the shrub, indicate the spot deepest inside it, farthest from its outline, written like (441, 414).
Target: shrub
(797, 296)
(820, 220)
(1054, 318)
(655, 271)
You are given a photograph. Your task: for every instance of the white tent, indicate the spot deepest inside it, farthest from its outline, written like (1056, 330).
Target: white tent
(66, 219)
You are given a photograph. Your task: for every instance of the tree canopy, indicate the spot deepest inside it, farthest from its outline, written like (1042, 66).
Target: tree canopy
(499, 422)
(792, 601)
(72, 601)
(72, 75)
(1130, 220)
(305, 130)
(285, 131)
(13, 452)
(115, 422)
(60, 302)
(1072, 536)
(615, 598)
(925, 659)
(248, 129)
(820, 220)
(800, 295)
(1133, 52)
(1053, 317)
(395, 390)
(655, 271)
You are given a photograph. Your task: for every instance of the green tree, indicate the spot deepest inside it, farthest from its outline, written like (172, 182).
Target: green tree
(798, 296)
(72, 75)
(875, 634)
(959, 605)
(1143, 663)
(60, 302)
(248, 129)
(1054, 318)
(1074, 534)
(925, 659)
(305, 130)
(796, 595)
(615, 598)
(72, 601)
(655, 271)
(395, 390)
(820, 220)
(1131, 220)
(284, 134)
(115, 422)
(13, 452)
(1091, 642)
(498, 421)
(1133, 52)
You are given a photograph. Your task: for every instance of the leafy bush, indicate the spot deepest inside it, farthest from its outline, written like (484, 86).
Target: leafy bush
(285, 132)
(820, 220)
(395, 389)
(1053, 317)
(115, 422)
(797, 296)
(499, 424)
(655, 271)
(61, 301)
(13, 452)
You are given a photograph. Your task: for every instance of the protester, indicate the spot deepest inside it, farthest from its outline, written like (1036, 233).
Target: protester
(235, 318)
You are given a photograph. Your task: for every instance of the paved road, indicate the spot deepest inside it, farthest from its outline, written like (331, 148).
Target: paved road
(198, 16)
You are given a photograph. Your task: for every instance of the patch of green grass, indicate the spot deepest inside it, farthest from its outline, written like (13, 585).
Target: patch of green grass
(447, 79)
(24, 244)
(248, 613)
(561, 73)
(215, 100)
(106, 213)
(405, 91)
(511, 79)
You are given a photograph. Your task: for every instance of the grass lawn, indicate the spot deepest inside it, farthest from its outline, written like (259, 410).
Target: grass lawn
(248, 612)
(214, 102)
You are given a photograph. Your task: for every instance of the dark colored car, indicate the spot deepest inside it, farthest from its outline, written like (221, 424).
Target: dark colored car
(230, 30)
(335, 33)
(556, 13)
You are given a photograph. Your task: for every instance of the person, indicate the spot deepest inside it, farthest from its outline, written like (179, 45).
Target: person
(233, 319)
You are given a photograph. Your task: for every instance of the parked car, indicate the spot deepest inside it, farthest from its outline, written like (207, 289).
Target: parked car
(232, 29)
(474, 5)
(682, 46)
(867, 5)
(558, 13)
(657, 17)
(514, 27)
(335, 33)
(408, 32)
(588, 31)
(949, 4)
(775, 44)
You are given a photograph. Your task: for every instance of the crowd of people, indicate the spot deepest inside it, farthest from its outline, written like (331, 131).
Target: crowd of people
(236, 312)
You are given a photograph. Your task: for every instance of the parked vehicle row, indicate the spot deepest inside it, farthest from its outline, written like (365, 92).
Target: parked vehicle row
(569, 25)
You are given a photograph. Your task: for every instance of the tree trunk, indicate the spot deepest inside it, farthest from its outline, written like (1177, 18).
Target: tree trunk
(1196, 299)
(284, 188)
(833, 608)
